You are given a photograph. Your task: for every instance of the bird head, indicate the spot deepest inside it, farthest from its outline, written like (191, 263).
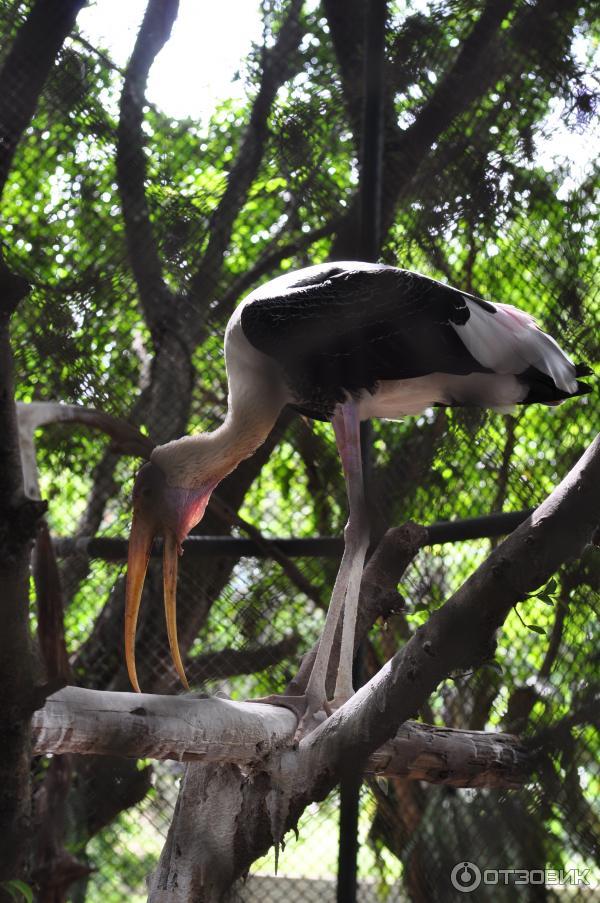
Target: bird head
(170, 510)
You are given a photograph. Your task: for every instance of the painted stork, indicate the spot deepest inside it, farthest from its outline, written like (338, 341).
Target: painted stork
(340, 342)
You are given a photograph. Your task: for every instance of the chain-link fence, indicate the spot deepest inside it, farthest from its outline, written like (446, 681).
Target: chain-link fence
(140, 233)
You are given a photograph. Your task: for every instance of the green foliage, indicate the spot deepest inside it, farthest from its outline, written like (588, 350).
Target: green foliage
(487, 210)
(18, 890)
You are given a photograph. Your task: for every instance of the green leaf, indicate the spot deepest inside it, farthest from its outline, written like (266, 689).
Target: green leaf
(536, 629)
(545, 598)
(18, 890)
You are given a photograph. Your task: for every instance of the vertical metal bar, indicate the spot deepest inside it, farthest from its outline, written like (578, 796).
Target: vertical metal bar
(348, 850)
(372, 135)
(370, 232)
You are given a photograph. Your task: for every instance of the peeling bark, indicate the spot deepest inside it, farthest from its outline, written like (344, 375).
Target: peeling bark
(198, 856)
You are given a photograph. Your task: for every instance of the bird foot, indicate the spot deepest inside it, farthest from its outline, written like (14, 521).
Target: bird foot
(338, 701)
(310, 713)
(316, 711)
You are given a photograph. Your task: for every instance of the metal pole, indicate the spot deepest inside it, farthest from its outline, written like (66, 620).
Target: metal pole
(350, 784)
(370, 234)
(372, 136)
(112, 548)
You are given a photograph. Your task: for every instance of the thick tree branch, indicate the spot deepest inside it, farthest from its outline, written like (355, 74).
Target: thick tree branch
(154, 293)
(94, 722)
(220, 731)
(230, 662)
(276, 66)
(459, 635)
(270, 260)
(26, 68)
(18, 520)
(488, 54)
(22, 77)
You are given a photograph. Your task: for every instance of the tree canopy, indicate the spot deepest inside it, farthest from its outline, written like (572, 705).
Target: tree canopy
(140, 233)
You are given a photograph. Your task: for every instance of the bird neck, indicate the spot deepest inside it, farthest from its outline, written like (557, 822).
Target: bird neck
(237, 438)
(207, 458)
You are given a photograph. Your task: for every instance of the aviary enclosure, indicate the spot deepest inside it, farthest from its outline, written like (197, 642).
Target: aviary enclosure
(458, 139)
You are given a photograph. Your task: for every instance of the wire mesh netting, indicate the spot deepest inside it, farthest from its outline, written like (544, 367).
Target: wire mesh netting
(140, 232)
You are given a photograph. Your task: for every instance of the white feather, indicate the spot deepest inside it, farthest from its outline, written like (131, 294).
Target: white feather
(398, 398)
(509, 341)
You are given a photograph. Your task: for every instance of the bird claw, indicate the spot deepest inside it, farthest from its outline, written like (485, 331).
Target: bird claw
(338, 701)
(309, 714)
(312, 718)
(296, 704)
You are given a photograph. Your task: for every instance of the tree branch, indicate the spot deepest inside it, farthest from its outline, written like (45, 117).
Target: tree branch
(258, 808)
(230, 662)
(276, 67)
(26, 68)
(219, 731)
(154, 293)
(461, 634)
(127, 439)
(268, 262)
(488, 54)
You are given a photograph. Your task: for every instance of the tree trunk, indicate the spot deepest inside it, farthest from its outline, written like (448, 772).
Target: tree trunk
(18, 519)
(23, 74)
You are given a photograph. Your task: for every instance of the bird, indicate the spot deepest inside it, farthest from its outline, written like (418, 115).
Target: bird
(340, 342)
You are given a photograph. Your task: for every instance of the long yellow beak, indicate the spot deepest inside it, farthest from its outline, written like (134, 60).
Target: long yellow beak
(170, 558)
(140, 545)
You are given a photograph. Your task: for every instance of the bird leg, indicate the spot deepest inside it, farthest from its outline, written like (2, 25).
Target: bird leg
(344, 598)
(313, 707)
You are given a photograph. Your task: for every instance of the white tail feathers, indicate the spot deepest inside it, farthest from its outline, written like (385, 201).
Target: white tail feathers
(509, 341)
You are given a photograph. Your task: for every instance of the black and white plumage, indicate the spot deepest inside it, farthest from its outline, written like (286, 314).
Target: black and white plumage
(341, 342)
(353, 328)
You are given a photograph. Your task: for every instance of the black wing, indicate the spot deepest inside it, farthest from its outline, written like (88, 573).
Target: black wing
(352, 327)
